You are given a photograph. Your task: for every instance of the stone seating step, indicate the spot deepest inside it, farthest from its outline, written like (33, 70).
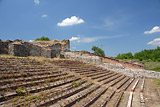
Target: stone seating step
(101, 75)
(29, 73)
(106, 77)
(127, 84)
(29, 83)
(39, 88)
(114, 101)
(121, 83)
(66, 94)
(103, 99)
(30, 78)
(91, 98)
(111, 79)
(112, 83)
(72, 99)
(89, 74)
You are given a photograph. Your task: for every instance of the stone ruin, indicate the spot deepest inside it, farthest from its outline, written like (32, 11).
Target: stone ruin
(115, 67)
(133, 64)
(48, 49)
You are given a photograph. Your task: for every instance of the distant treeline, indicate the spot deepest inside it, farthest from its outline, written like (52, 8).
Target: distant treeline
(149, 55)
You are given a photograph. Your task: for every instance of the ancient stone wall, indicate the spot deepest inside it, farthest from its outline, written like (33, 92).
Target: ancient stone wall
(83, 58)
(4, 47)
(53, 53)
(18, 50)
(114, 61)
(37, 48)
(125, 64)
(97, 61)
(66, 46)
(56, 48)
(46, 53)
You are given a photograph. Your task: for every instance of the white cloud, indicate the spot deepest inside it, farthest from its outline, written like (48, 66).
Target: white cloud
(154, 30)
(74, 38)
(44, 15)
(109, 24)
(36, 2)
(71, 21)
(112, 23)
(31, 40)
(91, 39)
(155, 42)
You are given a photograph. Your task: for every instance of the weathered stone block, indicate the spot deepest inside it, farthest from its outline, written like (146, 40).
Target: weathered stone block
(46, 53)
(53, 53)
(18, 50)
(35, 50)
(3, 47)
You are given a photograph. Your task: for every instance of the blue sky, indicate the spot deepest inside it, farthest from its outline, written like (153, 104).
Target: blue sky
(116, 26)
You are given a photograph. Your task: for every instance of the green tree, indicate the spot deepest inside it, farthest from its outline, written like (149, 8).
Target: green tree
(149, 55)
(42, 39)
(98, 51)
(125, 56)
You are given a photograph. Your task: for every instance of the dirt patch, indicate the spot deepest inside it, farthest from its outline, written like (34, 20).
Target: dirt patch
(151, 97)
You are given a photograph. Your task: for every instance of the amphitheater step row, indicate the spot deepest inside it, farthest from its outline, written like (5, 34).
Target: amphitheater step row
(60, 83)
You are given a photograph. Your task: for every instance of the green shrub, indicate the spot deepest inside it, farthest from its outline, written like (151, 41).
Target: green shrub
(42, 39)
(20, 92)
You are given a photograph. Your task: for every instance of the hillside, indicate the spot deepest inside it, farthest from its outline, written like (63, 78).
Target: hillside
(150, 58)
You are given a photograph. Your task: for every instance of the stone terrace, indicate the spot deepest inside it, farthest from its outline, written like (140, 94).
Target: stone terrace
(63, 83)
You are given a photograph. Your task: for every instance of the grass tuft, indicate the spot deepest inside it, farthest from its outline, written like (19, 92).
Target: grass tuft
(20, 92)
(31, 98)
(75, 84)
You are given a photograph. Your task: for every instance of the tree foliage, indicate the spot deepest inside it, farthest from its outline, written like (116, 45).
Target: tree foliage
(151, 54)
(42, 39)
(98, 51)
(125, 56)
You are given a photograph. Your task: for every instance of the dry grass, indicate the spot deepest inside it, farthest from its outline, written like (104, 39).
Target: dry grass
(155, 66)
(7, 55)
(44, 59)
(157, 82)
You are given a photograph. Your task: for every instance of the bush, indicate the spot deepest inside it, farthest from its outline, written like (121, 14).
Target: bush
(42, 39)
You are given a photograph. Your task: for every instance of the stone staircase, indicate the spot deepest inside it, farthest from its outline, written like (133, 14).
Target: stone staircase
(59, 83)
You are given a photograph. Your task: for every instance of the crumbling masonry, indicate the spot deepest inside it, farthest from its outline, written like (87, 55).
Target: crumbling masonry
(49, 49)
